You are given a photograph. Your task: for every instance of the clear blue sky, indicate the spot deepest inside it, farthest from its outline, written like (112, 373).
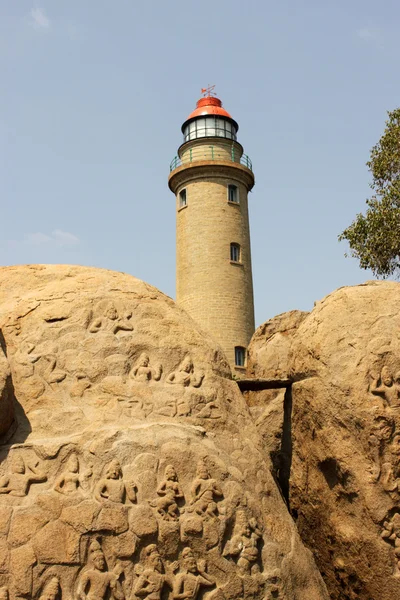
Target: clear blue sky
(93, 96)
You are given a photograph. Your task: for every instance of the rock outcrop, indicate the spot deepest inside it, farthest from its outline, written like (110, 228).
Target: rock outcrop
(336, 431)
(130, 465)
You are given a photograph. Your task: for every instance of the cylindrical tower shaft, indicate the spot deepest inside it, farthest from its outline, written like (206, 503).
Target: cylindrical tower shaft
(211, 180)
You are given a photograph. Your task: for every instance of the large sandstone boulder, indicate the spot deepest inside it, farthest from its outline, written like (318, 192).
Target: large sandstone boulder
(134, 469)
(338, 432)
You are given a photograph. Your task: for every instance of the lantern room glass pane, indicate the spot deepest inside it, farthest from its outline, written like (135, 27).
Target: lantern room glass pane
(210, 127)
(201, 126)
(192, 134)
(220, 127)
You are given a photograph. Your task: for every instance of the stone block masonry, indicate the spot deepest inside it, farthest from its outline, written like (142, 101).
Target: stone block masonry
(216, 291)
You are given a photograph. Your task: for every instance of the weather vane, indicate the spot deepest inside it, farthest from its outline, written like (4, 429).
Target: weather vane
(208, 91)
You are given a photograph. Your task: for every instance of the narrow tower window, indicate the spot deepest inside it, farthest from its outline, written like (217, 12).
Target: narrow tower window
(240, 356)
(182, 199)
(235, 253)
(233, 194)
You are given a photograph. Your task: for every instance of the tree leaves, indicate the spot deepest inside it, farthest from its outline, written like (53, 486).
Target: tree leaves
(374, 238)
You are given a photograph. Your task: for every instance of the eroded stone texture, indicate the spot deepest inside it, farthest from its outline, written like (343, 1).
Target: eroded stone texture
(135, 470)
(277, 333)
(344, 362)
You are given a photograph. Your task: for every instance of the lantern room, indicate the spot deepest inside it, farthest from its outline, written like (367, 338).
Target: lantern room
(209, 119)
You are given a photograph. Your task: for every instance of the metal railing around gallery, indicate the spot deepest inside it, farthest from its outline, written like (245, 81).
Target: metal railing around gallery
(210, 153)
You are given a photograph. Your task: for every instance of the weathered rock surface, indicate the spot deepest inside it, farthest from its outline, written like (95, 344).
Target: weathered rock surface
(135, 469)
(277, 333)
(341, 424)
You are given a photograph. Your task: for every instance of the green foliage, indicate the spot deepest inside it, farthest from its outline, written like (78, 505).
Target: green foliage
(374, 238)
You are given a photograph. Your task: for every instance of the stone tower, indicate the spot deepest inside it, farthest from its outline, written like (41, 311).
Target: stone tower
(211, 178)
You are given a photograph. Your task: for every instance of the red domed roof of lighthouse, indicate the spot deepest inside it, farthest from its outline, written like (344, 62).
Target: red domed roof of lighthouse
(210, 105)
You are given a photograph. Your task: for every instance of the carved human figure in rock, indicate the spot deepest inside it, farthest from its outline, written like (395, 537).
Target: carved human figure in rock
(185, 375)
(387, 477)
(18, 482)
(70, 481)
(205, 492)
(96, 583)
(245, 546)
(381, 433)
(51, 589)
(111, 321)
(391, 467)
(387, 386)
(391, 534)
(143, 372)
(194, 576)
(152, 580)
(112, 487)
(395, 453)
(169, 491)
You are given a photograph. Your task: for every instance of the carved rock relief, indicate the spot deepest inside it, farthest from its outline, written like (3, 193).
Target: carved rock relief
(20, 477)
(135, 470)
(95, 359)
(381, 424)
(384, 426)
(82, 542)
(386, 385)
(170, 495)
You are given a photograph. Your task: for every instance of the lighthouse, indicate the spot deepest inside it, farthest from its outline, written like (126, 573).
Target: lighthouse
(211, 178)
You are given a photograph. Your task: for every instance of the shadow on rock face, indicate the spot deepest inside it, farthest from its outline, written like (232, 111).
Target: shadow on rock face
(6, 391)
